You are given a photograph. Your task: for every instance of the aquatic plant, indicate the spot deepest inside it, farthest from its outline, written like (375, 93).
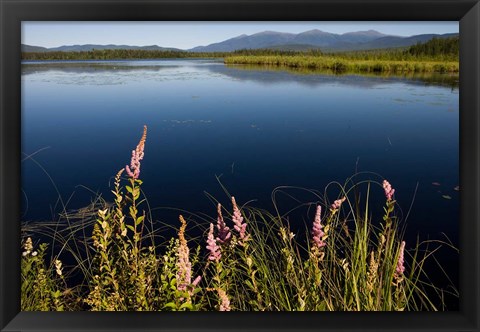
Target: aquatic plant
(212, 246)
(43, 286)
(133, 170)
(389, 191)
(339, 63)
(317, 233)
(346, 259)
(337, 203)
(239, 225)
(224, 234)
(224, 301)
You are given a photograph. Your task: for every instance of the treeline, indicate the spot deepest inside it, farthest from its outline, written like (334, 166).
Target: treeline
(436, 55)
(148, 54)
(269, 51)
(436, 49)
(117, 54)
(436, 46)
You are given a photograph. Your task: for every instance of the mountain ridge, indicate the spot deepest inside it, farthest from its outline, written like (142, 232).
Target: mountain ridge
(90, 47)
(311, 39)
(355, 40)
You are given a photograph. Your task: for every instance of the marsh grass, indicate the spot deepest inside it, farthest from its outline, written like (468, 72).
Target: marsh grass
(337, 255)
(340, 64)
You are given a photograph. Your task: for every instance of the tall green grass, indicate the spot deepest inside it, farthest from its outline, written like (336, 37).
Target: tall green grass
(247, 259)
(344, 64)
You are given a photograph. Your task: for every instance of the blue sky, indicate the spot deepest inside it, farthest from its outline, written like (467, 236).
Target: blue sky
(190, 34)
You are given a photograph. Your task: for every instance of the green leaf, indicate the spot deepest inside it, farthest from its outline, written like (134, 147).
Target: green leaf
(129, 189)
(197, 290)
(186, 305)
(322, 306)
(139, 220)
(249, 284)
(173, 283)
(223, 274)
(104, 256)
(170, 305)
(180, 294)
(133, 211)
(56, 294)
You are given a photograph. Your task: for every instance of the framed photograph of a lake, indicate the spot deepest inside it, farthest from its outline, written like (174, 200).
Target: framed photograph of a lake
(165, 162)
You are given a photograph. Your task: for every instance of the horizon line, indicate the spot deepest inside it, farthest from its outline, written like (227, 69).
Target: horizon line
(247, 35)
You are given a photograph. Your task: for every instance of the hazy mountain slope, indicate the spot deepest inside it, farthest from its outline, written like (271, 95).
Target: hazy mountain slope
(28, 48)
(259, 40)
(312, 39)
(90, 47)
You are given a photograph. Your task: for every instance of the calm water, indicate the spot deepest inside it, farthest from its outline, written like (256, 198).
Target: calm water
(255, 128)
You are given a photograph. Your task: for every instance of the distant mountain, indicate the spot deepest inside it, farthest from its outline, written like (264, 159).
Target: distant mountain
(317, 38)
(90, 47)
(259, 40)
(294, 47)
(361, 36)
(28, 48)
(314, 39)
(393, 41)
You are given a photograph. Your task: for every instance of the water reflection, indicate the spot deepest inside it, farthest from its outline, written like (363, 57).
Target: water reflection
(317, 77)
(254, 127)
(256, 73)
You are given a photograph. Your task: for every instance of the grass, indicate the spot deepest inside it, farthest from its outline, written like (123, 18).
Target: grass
(245, 259)
(344, 64)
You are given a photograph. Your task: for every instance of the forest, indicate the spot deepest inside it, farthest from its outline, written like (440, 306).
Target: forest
(436, 49)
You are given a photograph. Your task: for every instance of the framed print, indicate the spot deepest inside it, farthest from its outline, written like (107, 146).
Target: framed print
(162, 162)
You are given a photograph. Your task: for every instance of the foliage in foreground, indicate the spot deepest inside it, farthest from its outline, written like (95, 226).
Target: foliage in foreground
(248, 259)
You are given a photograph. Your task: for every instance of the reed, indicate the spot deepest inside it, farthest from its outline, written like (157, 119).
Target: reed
(248, 259)
(340, 64)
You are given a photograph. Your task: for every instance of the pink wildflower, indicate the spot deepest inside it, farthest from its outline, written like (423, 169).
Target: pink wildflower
(215, 253)
(224, 301)
(224, 233)
(400, 263)
(184, 274)
(184, 267)
(336, 204)
(237, 218)
(388, 190)
(196, 281)
(317, 229)
(133, 170)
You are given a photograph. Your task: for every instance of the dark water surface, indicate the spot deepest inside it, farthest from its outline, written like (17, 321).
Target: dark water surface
(255, 128)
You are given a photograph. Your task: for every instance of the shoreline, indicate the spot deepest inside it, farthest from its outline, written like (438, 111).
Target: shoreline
(338, 64)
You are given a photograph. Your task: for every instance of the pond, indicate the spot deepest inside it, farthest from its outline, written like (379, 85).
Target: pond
(249, 129)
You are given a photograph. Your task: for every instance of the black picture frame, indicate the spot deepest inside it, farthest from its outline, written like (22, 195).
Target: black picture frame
(13, 12)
